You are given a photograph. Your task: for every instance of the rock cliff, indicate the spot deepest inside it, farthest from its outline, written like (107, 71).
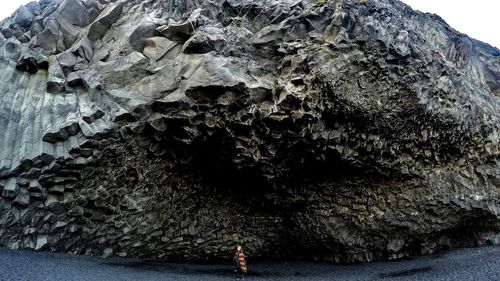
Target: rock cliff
(335, 130)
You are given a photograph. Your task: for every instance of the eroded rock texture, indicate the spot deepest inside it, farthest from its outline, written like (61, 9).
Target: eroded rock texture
(334, 130)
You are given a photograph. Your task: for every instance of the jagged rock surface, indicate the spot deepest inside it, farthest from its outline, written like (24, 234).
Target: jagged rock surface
(335, 130)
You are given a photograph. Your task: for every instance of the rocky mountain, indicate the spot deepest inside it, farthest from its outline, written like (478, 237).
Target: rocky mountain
(339, 130)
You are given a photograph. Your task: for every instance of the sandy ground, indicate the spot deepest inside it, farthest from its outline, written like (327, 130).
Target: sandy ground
(478, 264)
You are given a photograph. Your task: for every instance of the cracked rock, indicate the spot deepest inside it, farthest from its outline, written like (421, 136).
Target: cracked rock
(341, 131)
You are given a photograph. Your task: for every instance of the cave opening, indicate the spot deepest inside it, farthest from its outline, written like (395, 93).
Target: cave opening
(213, 161)
(299, 169)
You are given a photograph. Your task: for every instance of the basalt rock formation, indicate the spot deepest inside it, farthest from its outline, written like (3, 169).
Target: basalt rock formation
(335, 130)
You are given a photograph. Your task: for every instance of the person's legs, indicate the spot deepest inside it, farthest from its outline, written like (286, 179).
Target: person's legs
(240, 274)
(236, 266)
(237, 271)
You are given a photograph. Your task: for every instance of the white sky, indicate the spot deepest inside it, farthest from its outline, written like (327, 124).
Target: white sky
(479, 19)
(7, 7)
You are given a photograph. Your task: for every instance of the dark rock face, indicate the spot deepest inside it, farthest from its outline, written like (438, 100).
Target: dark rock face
(334, 130)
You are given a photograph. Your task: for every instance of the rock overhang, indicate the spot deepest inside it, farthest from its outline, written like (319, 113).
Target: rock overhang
(335, 130)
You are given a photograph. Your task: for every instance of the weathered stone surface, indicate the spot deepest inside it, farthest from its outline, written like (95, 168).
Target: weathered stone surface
(331, 130)
(181, 31)
(23, 16)
(22, 198)
(157, 47)
(206, 40)
(10, 188)
(55, 78)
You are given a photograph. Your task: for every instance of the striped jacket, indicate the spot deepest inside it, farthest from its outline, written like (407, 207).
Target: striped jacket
(241, 259)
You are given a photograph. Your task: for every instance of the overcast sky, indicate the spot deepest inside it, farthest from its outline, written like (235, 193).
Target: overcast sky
(479, 19)
(7, 7)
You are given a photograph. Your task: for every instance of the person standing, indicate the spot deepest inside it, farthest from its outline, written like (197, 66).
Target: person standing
(240, 262)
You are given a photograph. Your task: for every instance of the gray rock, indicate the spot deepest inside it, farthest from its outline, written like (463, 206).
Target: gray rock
(105, 19)
(23, 16)
(49, 37)
(157, 47)
(178, 129)
(10, 188)
(22, 199)
(56, 78)
(41, 242)
(67, 61)
(206, 40)
(11, 49)
(181, 31)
